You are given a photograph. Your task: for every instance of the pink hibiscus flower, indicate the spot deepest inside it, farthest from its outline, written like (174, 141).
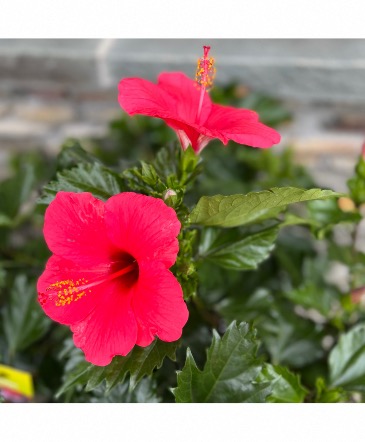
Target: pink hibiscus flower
(189, 110)
(108, 278)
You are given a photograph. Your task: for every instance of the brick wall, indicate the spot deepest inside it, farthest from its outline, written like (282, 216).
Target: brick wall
(51, 89)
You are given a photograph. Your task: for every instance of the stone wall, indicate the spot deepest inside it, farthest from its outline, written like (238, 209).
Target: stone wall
(52, 89)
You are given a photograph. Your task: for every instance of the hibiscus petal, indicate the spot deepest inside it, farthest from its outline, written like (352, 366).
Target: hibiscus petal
(158, 304)
(187, 134)
(74, 228)
(186, 94)
(110, 329)
(139, 96)
(239, 125)
(143, 226)
(56, 284)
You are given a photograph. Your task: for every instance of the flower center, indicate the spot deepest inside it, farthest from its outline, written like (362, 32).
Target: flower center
(204, 77)
(124, 267)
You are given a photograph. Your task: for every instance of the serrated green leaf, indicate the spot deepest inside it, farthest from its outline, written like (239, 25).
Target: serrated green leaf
(75, 378)
(230, 372)
(175, 162)
(73, 154)
(236, 210)
(140, 362)
(347, 360)
(286, 386)
(247, 253)
(23, 320)
(93, 178)
(145, 392)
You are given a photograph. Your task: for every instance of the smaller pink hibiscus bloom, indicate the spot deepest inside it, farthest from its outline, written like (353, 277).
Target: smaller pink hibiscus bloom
(186, 107)
(109, 278)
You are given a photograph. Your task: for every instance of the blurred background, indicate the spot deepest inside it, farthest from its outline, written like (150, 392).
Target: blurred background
(53, 89)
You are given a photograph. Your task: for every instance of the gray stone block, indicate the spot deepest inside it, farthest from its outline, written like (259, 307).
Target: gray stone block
(69, 61)
(308, 70)
(49, 112)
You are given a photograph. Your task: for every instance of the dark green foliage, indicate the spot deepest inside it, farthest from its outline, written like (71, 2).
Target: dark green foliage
(230, 373)
(347, 360)
(93, 178)
(22, 318)
(237, 251)
(286, 386)
(248, 256)
(138, 363)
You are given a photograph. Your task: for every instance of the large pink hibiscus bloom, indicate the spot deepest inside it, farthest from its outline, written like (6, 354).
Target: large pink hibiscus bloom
(189, 110)
(108, 278)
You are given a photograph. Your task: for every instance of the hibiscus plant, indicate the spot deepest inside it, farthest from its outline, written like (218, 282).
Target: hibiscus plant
(187, 267)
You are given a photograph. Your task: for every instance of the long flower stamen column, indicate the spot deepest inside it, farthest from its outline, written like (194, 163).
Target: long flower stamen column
(204, 77)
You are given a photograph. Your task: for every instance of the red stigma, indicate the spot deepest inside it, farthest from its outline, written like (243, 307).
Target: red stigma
(206, 51)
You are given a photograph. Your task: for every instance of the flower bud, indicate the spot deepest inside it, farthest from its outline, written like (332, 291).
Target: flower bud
(168, 194)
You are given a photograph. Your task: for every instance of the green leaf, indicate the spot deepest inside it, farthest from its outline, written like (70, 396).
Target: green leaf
(72, 154)
(286, 386)
(23, 320)
(173, 161)
(347, 360)
(93, 178)
(247, 253)
(145, 392)
(140, 362)
(235, 210)
(16, 190)
(325, 215)
(74, 379)
(324, 394)
(356, 184)
(294, 220)
(188, 166)
(184, 268)
(290, 339)
(230, 372)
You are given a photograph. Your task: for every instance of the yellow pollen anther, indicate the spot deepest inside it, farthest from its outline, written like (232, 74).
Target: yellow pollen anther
(205, 71)
(68, 291)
